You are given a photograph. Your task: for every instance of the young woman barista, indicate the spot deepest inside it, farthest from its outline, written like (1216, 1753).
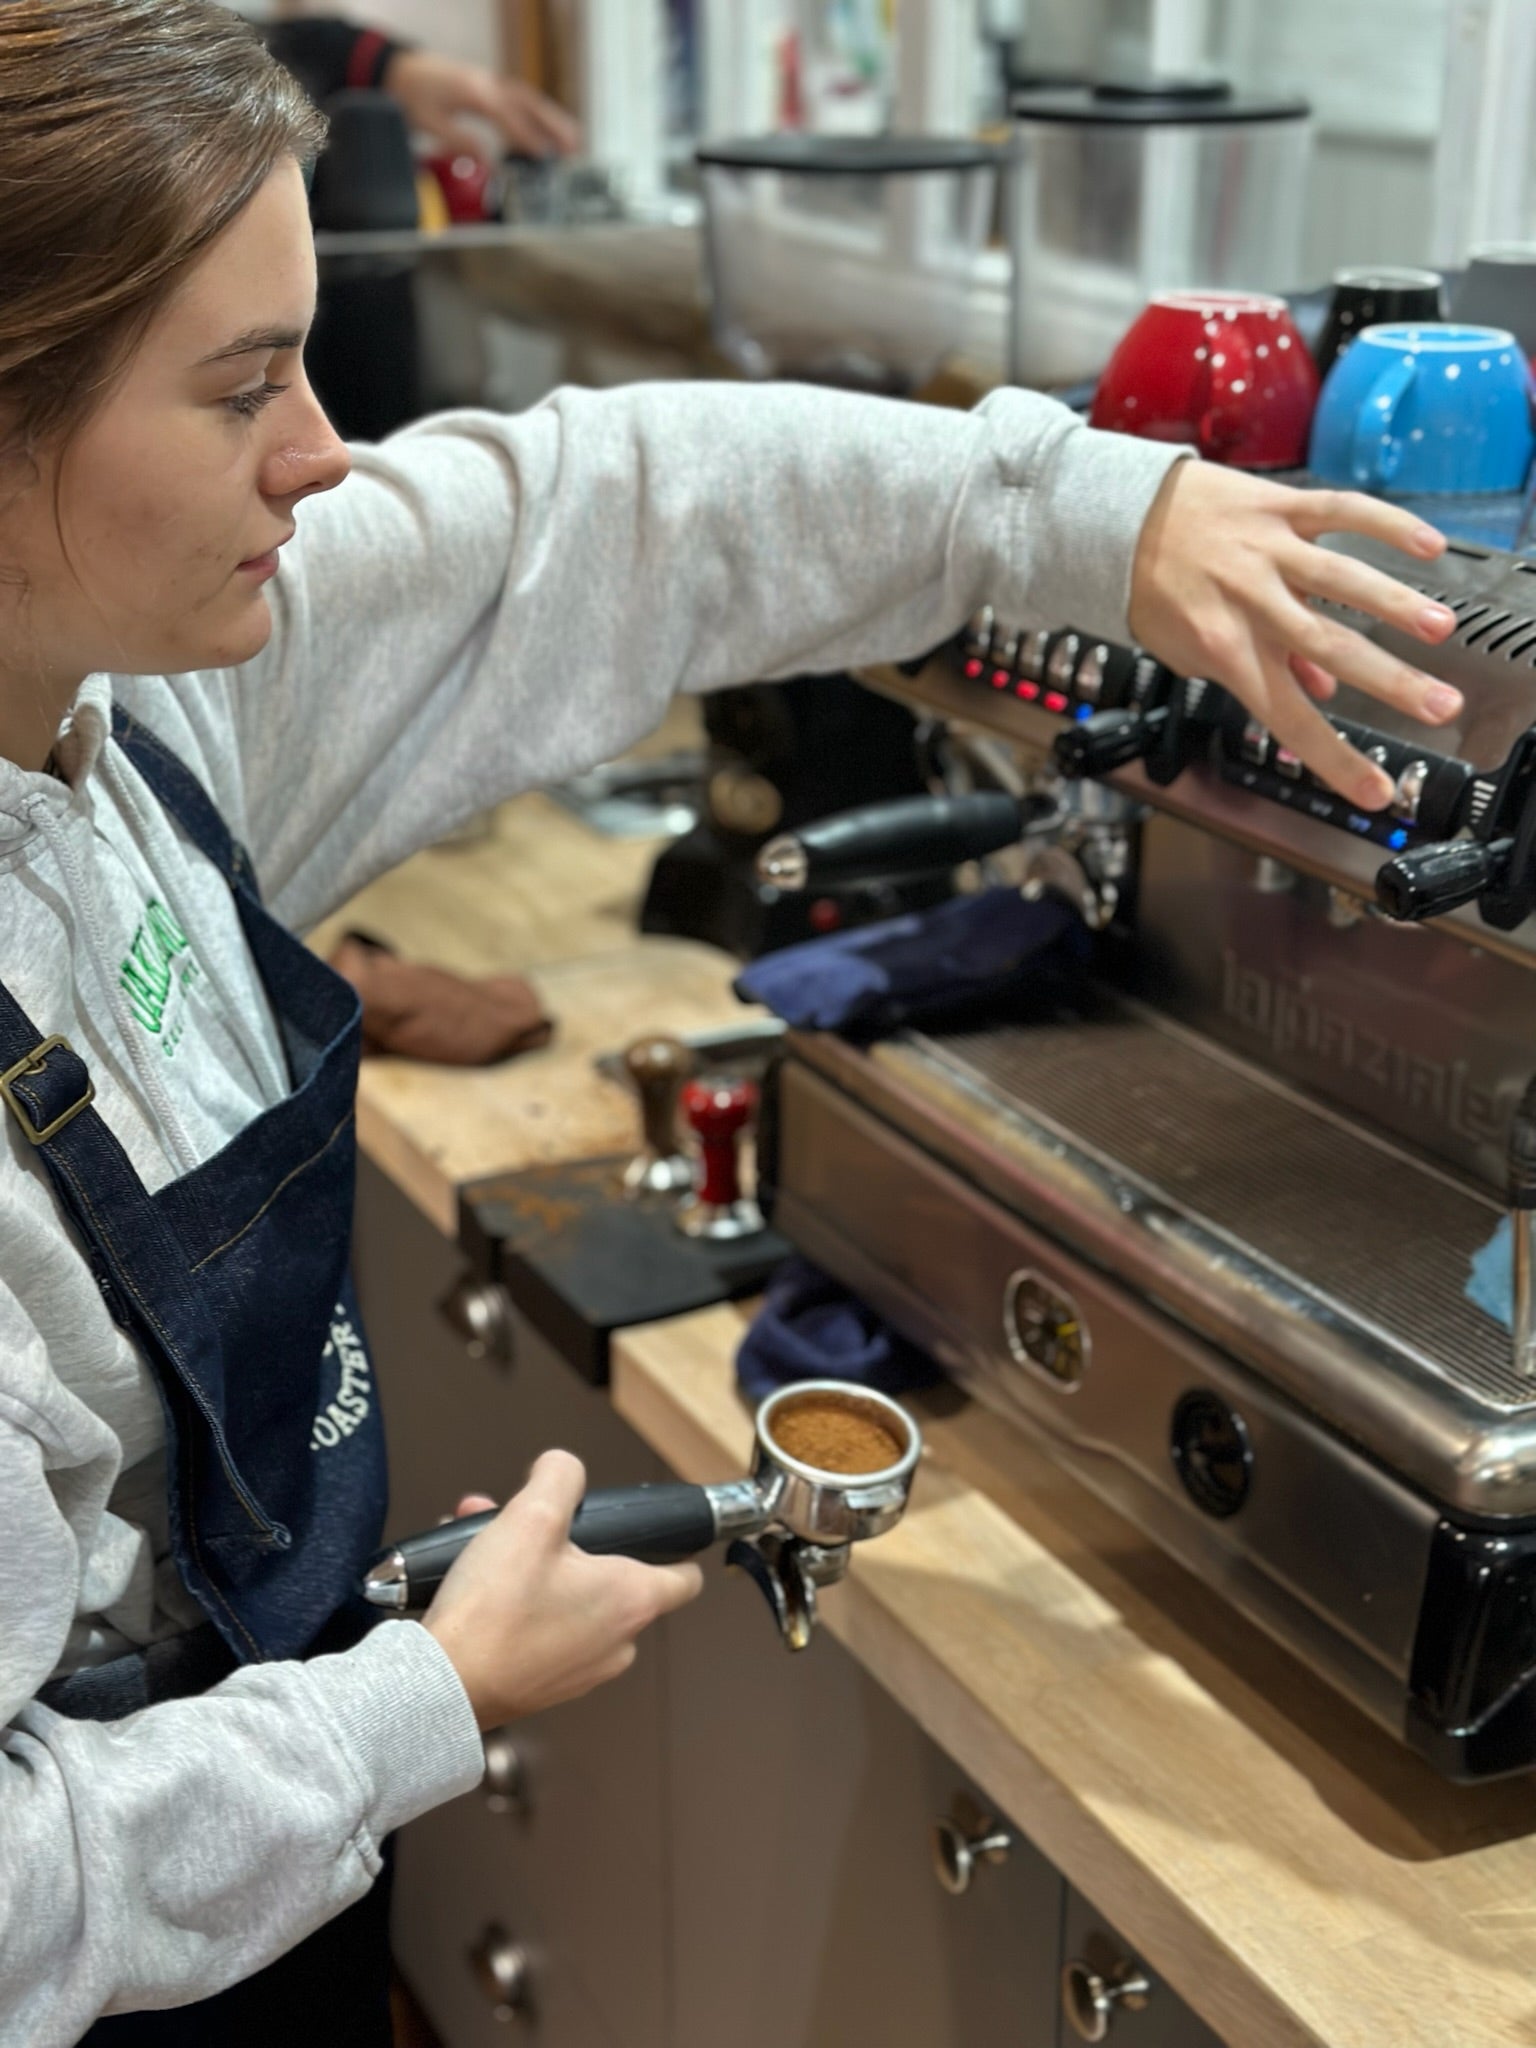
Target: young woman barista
(203, 744)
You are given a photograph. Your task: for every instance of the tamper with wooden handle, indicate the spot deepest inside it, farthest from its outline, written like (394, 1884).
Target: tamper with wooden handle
(718, 1112)
(658, 1066)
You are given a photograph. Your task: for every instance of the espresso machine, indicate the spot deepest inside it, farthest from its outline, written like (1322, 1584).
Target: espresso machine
(1199, 1216)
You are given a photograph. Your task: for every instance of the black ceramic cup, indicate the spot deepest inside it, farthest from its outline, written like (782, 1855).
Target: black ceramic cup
(1368, 297)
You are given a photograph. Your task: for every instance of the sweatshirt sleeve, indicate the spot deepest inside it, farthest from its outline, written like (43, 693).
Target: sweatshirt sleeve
(491, 602)
(327, 54)
(152, 1861)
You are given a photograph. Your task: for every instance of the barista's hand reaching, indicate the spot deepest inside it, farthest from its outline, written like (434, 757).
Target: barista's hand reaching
(527, 1619)
(1222, 573)
(437, 92)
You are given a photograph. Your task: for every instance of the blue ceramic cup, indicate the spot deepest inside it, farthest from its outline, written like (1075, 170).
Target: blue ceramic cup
(1431, 409)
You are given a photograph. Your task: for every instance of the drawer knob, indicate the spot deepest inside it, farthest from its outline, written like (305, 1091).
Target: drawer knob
(958, 1850)
(506, 1774)
(480, 1312)
(1090, 2000)
(501, 1969)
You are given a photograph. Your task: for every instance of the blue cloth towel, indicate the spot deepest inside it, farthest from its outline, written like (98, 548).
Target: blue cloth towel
(1491, 1283)
(879, 976)
(810, 1328)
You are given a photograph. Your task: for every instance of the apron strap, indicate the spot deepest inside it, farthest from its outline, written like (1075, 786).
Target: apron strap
(180, 792)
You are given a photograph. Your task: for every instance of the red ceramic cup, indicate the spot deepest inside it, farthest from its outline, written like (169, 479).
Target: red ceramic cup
(466, 185)
(1225, 371)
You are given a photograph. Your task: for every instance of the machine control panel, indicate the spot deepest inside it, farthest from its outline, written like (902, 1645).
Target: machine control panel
(1458, 835)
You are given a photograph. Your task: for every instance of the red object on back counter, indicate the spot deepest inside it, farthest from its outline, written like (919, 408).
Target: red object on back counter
(1225, 372)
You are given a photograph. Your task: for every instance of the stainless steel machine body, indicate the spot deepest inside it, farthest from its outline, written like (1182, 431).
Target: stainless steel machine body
(1202, 1219)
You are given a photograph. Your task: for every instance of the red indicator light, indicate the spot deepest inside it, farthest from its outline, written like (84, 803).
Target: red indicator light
(1000, 679)
(974, 667)
(825, 915)
(1054, 701)
(1028, 691)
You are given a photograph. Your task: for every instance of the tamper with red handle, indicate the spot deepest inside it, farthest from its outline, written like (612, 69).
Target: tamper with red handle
(718, 1112)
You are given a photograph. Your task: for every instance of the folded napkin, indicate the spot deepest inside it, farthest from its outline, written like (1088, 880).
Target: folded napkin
(1491, 1283)
(426, 1013)
(810, 1328)
(880, 976)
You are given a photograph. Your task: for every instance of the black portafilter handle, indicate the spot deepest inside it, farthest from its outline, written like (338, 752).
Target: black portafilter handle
(657, 1524)
(1427, 881)
(911, 835)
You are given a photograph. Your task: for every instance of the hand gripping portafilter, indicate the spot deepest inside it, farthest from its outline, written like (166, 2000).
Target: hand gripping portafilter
(790, 1525)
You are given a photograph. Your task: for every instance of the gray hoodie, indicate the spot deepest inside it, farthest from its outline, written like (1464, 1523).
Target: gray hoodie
(487, 604)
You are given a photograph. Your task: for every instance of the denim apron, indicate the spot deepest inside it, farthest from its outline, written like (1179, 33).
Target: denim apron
(234, 1282)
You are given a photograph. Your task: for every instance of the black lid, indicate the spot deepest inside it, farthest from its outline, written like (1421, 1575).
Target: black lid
(1153, 103)
(842, 155)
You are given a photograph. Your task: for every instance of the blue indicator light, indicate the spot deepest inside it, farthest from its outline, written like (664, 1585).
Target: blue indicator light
(1083, 711)
(1397, 840)
(1357, 823)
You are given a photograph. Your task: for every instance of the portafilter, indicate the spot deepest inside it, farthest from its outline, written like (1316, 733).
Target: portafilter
(790, 1525)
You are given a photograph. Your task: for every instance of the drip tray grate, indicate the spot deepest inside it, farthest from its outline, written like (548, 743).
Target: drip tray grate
(1387, 1238)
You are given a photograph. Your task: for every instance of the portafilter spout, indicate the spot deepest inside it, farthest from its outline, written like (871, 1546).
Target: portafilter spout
(832, 1466)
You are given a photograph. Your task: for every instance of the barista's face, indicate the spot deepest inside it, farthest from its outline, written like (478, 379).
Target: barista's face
(186, 476)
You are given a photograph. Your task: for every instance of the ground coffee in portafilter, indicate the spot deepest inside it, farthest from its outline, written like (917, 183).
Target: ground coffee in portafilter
(836, 1434)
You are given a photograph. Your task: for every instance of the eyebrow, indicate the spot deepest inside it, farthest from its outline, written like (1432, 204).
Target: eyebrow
(268, 340)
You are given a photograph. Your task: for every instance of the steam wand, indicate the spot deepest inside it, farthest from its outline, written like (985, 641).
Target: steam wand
(1522, 1203)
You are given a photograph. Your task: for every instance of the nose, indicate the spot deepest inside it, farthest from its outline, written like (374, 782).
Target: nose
(310, 456)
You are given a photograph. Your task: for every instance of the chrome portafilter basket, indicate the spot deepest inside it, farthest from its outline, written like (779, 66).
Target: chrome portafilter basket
(790, 1525)
(813, 1518)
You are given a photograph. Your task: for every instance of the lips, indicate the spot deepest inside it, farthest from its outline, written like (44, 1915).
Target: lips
(251, 560)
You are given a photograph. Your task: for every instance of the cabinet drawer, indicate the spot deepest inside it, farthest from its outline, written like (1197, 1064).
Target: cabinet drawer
(807, 1909)
(1108, 1994)
(454, 1890)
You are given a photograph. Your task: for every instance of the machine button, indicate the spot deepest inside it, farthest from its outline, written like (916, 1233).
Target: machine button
(1255, 743)
(1090, 674)
(1211, 1453)
(1062, 665)
(977, 642)
(1032, 652)
(1289, 764)
(1043, 1329)
(1005, 651)
(1409, 794)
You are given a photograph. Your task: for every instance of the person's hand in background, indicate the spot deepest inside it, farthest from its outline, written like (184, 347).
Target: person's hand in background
(447, 99)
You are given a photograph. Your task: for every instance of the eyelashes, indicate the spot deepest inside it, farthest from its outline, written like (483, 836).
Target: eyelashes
(249, 403)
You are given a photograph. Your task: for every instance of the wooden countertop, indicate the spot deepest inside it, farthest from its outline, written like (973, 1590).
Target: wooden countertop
(1295, 1875)
(538, 894)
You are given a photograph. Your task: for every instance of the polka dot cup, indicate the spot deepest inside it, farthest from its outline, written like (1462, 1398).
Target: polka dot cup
(1226, 372)
(1430, 410)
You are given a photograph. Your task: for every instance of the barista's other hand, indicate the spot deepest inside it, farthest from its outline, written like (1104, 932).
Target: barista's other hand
(436, 92)
(527, 1619)
(1223, 571)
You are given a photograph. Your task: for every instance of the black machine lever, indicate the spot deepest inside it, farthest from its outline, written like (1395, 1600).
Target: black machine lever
(910, 836)
(1108, 740)
(1428, 881)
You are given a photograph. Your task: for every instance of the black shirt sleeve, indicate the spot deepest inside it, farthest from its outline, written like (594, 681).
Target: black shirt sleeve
(327, 54)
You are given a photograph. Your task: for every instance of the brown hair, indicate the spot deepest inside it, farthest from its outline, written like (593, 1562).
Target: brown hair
(131, 133)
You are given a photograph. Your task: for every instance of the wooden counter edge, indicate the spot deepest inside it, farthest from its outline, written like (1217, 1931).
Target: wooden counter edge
(1241, 2007)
